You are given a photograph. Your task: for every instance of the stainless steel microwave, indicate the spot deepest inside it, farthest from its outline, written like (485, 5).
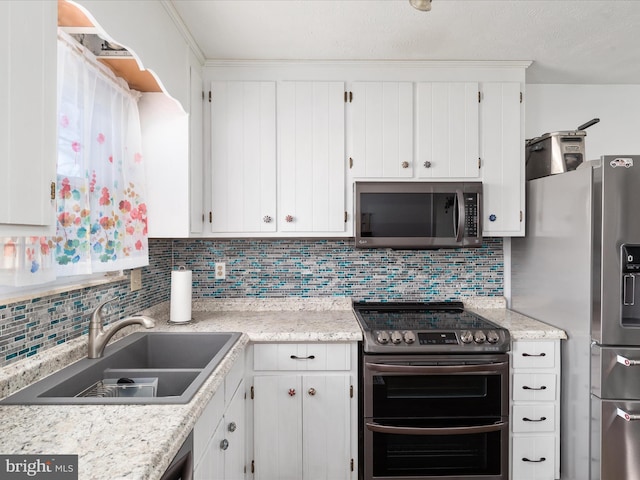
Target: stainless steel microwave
(418, 215)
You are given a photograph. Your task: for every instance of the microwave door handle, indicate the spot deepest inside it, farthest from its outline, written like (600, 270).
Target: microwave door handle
(459, 222)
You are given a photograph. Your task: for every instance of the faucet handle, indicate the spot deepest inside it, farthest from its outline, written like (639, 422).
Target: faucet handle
(96, 316)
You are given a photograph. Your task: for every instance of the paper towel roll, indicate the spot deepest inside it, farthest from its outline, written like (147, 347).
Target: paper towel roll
(180, 296)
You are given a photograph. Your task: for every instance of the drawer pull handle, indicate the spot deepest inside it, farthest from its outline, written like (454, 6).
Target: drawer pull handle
(534, 354)
(542, 459)
(525, 387)
(295, 357)
(541, 419)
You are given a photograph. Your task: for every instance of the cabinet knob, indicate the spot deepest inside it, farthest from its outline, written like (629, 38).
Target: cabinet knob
(266, 219)
(405, 164)
(224, 444)
(232, 427)
(427, 164)
(292, 392)
(312, 391)
(289, 218)
(492, 218)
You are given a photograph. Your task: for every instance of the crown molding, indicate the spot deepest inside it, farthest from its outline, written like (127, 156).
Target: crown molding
(407, 64)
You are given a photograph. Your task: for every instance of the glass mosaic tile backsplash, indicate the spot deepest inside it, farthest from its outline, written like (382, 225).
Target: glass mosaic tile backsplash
(283, 268)
(259, 268)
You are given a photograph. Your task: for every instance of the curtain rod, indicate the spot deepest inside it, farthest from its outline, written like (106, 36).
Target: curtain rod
(93, 62)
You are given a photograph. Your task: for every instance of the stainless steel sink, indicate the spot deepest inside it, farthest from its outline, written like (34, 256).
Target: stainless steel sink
(180, 362)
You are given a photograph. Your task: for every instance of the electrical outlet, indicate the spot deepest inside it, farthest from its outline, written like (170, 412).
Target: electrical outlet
(221, 271)
(136, 279)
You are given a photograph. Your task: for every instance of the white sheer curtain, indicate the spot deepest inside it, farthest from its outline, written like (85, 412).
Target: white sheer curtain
(101, 210)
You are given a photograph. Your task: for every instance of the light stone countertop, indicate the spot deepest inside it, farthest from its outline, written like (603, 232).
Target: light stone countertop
(139, 441)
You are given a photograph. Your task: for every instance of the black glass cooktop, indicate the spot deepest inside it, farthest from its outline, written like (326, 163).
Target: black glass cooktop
(418, 316)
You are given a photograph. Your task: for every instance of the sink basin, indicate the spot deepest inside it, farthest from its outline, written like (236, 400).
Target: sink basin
(180, 362)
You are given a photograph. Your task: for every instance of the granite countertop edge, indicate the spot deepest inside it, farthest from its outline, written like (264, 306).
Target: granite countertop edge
(145, 452)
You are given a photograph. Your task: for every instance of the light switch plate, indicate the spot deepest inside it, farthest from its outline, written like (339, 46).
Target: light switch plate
(136, 279)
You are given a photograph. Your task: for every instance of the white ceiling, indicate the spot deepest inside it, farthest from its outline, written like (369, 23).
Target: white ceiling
(569, 41)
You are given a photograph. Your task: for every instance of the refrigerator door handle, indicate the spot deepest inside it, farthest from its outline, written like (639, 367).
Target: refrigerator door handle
(628, 289)
(627, 362)
(627, 416)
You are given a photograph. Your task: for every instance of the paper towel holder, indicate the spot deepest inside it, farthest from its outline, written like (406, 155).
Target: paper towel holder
(177, 295)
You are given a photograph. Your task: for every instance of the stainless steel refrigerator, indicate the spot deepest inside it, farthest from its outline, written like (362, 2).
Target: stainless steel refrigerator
(578, 268)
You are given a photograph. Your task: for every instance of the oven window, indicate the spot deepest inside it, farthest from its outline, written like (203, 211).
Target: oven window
(407, 215)
(419, 396)
(397, 455)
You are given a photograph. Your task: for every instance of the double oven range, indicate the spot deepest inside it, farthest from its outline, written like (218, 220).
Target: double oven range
(434, 393)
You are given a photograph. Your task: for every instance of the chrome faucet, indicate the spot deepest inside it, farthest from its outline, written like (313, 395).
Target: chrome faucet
(98, 336)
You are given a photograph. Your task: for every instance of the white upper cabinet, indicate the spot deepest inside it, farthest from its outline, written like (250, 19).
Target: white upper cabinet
(28, 117)
(287, 141)
(311, 168)
(502, 153)
(447, 130)
(243, 157)
(382, 129)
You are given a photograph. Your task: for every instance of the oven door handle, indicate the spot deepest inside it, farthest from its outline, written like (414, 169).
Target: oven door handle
(376, 427)
(419, 369)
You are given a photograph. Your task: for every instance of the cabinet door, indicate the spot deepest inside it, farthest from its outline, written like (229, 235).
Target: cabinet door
(447, 130)
(326, 427)
(196, 160)
(211, 466)
(234, 432)
(243, 152)
(277, 411)
(27, 117)
(502, 153)
(382, 129)
(311, 164)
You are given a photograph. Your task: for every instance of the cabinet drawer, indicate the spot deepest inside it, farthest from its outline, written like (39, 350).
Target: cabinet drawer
(530, 354)
(534, 418)
(233, 379)
(534, 457)
(301, 356)
(534, 386)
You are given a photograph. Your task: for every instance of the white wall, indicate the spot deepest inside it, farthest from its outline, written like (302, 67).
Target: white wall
(551, 108)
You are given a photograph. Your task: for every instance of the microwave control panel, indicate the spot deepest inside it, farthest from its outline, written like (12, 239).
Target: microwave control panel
(471, 215)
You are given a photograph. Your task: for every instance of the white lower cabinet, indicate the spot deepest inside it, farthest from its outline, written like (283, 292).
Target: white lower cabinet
(219, 434)
(303, 421)
(535, 414)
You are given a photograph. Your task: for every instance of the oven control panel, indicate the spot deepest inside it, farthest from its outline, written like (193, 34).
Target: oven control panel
(492, 340)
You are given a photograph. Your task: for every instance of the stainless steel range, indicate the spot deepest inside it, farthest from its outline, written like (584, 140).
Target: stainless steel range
(434, 395)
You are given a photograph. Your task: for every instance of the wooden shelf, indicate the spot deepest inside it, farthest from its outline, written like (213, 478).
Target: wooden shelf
(125, 67)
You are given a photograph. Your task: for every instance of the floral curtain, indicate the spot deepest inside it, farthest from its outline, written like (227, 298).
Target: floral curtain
(101, 212)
